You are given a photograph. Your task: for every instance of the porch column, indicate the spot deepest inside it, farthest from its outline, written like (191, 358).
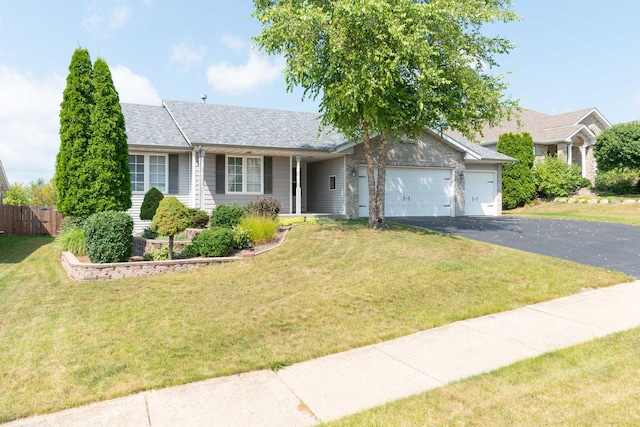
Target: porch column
(570, 153)
(583, 153)
(298, 189)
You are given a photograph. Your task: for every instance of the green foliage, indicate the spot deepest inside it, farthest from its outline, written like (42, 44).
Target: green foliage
(391, 68)
(618, 148)
(171, 217)
(70, 223)
(518, 186)
(107, 162)
(261, 229)
(555, 178)
(241, 238)
(160, 254)
(227, 215)
(213, 242)
(108, 236)
(34, 194)
(72, 240)
(287, 221)
(618, 181)
(148, 233)
(267, 206)
(198, 218)
(150, 203)
(75, 132)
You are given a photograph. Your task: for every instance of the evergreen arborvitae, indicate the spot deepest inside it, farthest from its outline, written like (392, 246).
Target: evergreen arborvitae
(518, 185)
(150, 203)
(107, 154)
(75, 131)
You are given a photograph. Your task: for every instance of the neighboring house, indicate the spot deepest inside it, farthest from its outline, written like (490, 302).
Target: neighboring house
(569, 135)
(4, 182)
(207, 154)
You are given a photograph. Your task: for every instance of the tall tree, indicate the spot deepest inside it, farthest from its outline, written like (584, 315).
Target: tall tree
(618, 148)
(389, 68)
(75, 131)
(518, 185)
(107, 162)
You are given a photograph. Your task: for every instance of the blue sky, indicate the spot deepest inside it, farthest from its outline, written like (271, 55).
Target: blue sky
(569, 55)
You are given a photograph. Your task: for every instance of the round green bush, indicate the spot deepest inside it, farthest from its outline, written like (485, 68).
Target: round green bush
(555, 178)
(108, 237)
(227, 215)
(198, 218)
(618, 181)
(150, 203)
(214, 242)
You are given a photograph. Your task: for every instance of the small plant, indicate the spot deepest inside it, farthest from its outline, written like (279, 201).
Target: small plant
(160, 254)
(72, 240)
(227, 215)
(286, 221)
(71, 222)
(172, 217)
(150, 203)
(148, 233)
(268, 207)
(261, 229)
(198, 218)
(108, 236)
(213, 242)
(241, 238)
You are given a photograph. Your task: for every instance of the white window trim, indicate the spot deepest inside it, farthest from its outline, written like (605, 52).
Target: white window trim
(147, 184)
(244, 175)
(335, 182)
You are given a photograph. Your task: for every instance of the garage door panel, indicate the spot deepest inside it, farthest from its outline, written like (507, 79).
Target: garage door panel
(480, 193)
(412, 192)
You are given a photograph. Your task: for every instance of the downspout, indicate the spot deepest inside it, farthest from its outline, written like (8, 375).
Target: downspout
(192, 198)
(298, 187)
(201, 186)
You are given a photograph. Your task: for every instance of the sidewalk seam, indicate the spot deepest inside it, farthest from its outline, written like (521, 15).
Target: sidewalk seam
(302, 403)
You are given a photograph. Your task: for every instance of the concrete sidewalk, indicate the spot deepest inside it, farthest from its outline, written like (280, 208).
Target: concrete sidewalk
(330, 387)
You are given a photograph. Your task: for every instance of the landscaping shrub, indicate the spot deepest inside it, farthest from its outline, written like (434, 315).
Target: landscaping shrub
(518, 186)
(213, 242)
(268, 207)
(148, 233)
(261, 229)
(227, 215)
(198, 218)
(555, 178)
(72, 240)
(150, 203)
(71, 222)
(618, 181)
(172, 217)
(160, 254)
(241, 238)
(108, 236)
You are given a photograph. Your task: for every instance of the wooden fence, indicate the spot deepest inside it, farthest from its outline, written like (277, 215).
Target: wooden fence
(30, 220)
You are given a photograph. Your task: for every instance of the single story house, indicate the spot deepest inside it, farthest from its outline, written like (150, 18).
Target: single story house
(4, 182)
(206, 154)
(570, 135)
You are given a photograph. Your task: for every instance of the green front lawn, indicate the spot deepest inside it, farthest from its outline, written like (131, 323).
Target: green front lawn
(330, 287)
(591, 384)
(612, 212)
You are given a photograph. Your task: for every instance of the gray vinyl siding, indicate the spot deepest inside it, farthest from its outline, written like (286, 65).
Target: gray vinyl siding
(321, 199)
(281, 184)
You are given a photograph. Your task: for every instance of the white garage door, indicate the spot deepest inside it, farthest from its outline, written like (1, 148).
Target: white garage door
(412, 192)
(480, 193)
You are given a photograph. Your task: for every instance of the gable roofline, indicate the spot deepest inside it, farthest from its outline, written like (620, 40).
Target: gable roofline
(595, 111)
(184, 135)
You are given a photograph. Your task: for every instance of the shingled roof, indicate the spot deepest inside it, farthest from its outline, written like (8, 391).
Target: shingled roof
(148, 125)
(543, 128)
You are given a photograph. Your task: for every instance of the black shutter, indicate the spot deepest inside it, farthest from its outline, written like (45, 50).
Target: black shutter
(268, 175)
(174, 161)
(220, 174)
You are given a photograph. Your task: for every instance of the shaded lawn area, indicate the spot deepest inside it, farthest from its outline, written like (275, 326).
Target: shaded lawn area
(330, 287)
(595, 383)
(616, 213)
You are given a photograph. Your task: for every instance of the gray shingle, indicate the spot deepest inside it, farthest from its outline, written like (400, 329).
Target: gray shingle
(256, 127)
(151, 126)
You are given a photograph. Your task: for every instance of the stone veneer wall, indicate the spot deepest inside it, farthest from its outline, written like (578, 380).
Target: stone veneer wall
(81, 271)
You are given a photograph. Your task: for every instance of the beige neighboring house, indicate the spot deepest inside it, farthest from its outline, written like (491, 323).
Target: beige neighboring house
(4, 182)
(569, 135)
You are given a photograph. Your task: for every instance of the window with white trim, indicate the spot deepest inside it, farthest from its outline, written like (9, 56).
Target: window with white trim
(244, 174)
(148, 171)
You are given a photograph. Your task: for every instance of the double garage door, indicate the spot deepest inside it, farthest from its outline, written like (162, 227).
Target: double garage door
(431, 192)
(412, 192)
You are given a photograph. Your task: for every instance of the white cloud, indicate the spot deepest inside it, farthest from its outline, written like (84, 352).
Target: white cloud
(29, 124)
(186, 56)
(119, 17)
(233, 43)
(102, 18)
(258, 71)
(133, 88)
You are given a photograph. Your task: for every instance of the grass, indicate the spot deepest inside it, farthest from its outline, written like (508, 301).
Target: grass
(330, 287)
(613, 212)
(596, 383)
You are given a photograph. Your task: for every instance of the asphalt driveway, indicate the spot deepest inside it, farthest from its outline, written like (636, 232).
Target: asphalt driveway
(610, 246)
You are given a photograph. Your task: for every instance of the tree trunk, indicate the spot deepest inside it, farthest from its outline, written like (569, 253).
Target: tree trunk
(376, 189)
(170, 247)
(382, 178)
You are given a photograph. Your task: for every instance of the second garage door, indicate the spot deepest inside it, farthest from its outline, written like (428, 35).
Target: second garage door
(412, 192)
